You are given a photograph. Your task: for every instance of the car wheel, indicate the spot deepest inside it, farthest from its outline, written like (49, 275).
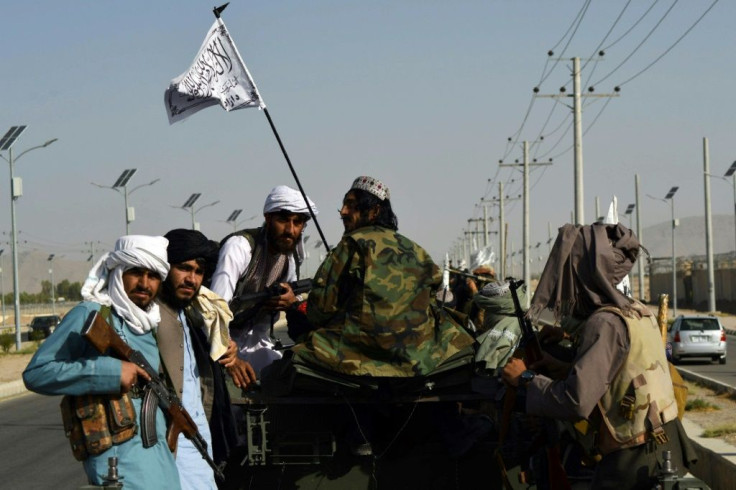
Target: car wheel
(722, 360)
(675, 359)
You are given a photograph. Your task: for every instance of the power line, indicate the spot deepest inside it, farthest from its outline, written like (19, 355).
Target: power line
(673, 45)
(641, 43)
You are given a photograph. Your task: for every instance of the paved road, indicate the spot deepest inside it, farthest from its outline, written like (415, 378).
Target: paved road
(725, 373)
(34, 453)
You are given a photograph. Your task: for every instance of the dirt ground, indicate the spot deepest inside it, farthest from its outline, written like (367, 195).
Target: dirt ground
(722, 415)
(12, 366)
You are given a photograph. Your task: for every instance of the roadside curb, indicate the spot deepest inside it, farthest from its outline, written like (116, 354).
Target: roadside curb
(12, 388)
(716, 464)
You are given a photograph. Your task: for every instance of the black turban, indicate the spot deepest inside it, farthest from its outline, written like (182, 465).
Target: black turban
(185, 245)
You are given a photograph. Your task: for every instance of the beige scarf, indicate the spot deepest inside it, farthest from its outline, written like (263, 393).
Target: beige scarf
(217, 316)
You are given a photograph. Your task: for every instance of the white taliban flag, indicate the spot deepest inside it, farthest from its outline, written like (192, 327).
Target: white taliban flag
(218, 75)
(612, 219)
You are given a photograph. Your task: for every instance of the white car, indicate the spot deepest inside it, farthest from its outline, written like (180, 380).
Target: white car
(697, 336)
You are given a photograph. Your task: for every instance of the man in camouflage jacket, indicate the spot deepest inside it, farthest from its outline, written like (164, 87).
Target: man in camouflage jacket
(372, 303)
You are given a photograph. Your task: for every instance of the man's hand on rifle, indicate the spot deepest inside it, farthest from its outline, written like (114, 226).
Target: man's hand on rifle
(241, 371)
(129, 375)
(512, 371)
(550, 334)
(282, 302)
(551, 366)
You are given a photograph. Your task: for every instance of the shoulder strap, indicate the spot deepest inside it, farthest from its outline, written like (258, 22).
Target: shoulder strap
(106, 313)
(249, 234)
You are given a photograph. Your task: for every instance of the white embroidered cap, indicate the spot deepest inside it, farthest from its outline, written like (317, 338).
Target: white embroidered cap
(374, 186)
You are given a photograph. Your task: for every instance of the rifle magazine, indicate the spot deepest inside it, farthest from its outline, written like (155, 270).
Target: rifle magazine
(148, 418)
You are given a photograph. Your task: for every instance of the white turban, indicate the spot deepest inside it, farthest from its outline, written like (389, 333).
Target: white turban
(284, 198)
(104, 283)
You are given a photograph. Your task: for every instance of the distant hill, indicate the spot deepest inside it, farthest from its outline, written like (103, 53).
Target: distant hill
(33, 268)
(689, 237)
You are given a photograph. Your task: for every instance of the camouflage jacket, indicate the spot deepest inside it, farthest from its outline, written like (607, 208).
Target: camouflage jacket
(374, 309)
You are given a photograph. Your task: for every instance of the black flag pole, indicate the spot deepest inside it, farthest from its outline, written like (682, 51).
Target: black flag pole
(296, 178)
(217, 11)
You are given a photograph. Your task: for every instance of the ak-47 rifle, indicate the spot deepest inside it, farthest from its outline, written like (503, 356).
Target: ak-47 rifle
(103, 337)
(532, 352)
(529, 341)
(476, 277)
(247, 306)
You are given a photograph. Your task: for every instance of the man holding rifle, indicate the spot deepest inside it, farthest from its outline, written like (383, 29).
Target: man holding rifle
(252, 260)
(104, 409)
(618, 383)
(195, 345)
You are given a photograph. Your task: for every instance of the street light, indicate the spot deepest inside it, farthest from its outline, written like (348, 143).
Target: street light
(16, 190)
(51, 274)
(233, 219)
(731, 172)
(189, 205)
(670, 197)
(629, 210)
(122, 183)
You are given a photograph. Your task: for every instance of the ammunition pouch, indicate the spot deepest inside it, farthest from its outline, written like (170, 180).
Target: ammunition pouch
(93, 423)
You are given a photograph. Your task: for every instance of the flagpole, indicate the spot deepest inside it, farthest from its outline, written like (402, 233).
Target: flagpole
(217, 11)
(296, 178)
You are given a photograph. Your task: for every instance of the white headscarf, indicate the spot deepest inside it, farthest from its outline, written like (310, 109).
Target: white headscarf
(104, 283)
(284, 198)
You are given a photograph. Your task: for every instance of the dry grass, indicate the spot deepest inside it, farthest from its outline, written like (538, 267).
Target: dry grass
(700, 405)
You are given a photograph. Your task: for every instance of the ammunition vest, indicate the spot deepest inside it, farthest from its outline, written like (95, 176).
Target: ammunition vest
(640, 398)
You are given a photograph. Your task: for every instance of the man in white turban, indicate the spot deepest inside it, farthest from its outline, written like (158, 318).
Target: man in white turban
(254, 259)
(121, 287)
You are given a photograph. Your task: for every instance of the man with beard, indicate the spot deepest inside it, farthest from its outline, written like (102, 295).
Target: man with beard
(373, 300)
(252, 260)
(619, 381)
(121, 287)
(195, 345)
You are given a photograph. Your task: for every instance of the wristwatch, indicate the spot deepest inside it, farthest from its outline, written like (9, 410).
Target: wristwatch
(527, 376)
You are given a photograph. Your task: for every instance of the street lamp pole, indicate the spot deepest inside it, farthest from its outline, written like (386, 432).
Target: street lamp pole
(629, 211)
(16, 191)
(671, 196)
(122, 183)
(731, 172)
(51, 274)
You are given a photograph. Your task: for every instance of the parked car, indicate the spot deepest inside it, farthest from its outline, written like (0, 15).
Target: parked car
(697, 336)
(45, 324)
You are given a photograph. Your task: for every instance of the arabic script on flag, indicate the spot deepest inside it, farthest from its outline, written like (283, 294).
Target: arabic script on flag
(218, 75)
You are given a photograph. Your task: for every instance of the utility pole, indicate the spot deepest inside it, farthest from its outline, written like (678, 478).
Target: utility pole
(501, 234)
(708, 228)
(578, 217)
(638, 234)
(525, 235)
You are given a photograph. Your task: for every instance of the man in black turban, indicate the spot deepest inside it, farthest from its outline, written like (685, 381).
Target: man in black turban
(195, 345)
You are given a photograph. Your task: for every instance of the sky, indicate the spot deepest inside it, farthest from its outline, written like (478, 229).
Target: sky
(426, 95)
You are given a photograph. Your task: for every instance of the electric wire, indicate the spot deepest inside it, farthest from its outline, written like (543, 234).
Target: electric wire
(672, 46)
(610, 30)
(574, 26)
(641, 43)
(632, 27)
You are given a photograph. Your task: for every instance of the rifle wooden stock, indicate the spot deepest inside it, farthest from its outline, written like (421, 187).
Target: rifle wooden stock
(103, 337)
